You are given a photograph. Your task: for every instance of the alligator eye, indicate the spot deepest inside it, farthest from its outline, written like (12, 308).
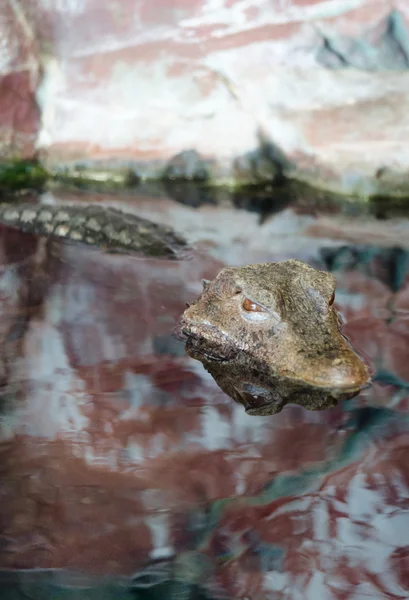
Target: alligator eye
(331, 301)
(251, 306)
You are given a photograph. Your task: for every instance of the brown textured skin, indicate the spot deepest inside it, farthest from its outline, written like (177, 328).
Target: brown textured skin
(100, 226)
(295, 353)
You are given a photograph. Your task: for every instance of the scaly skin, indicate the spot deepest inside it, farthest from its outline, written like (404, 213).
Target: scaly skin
(269, 334)
(96, 225)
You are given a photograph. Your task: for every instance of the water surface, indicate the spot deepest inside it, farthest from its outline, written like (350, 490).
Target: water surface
(126, 473)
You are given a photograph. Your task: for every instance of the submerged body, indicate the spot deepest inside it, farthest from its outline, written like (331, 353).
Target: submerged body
(269, 334)
(102, 226)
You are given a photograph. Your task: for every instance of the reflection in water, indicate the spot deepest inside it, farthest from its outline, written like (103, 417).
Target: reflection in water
(126, 473)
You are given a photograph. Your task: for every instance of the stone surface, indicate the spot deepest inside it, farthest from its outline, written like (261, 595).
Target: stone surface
(19, 77)
(322, 86)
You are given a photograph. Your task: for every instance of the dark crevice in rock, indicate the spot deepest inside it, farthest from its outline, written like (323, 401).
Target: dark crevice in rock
(383, 50)
(397, 33)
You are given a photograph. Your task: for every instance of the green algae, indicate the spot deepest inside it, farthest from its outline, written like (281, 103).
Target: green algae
(17, 175)
(94, 178)
(253, 186)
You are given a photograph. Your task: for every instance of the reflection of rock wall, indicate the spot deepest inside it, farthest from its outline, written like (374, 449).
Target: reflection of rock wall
(120, 456)
(325, 82)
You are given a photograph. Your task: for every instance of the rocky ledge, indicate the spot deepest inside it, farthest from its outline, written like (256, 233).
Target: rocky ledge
(226, 91)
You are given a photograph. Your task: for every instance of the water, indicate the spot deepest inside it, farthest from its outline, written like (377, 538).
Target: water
(125, 471)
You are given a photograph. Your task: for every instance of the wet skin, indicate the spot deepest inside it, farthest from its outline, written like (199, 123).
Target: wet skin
(269, 334)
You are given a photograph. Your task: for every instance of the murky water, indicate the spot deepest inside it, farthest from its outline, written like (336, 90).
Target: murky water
(125, 471)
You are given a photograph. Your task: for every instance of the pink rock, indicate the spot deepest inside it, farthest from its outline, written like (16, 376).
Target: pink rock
(19, 78)
(19, 115)
(182, 75)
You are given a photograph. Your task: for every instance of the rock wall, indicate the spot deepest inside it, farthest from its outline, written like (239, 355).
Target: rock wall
(313, 89)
